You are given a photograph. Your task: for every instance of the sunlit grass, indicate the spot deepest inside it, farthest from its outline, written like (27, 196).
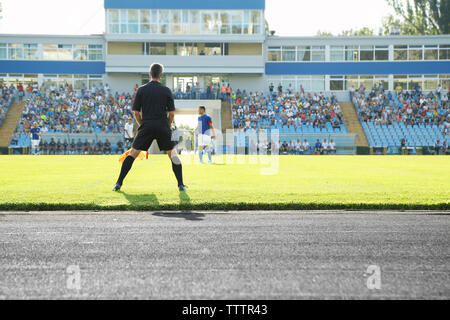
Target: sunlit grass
(299, 182)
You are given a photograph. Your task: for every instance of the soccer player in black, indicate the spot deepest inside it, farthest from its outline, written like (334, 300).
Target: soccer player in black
(154, 111)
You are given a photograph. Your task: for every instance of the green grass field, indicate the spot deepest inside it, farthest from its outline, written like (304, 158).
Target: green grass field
(301, 182)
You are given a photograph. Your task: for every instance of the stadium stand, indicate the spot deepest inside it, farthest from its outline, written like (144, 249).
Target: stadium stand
(90, 114)
(289, 113)
(298, 117)
(6, 100)
(404, 119)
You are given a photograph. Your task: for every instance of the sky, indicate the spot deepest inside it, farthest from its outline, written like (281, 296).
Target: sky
(286, 17)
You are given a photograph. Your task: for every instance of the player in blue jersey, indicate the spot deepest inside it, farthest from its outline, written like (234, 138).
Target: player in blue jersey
(205, 131)
(35, 138)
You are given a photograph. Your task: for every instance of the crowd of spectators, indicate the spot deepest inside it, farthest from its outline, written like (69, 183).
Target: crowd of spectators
(213, 90)
(63, 110)
(294, 147)
(255, 110)
(79, 147)
(410, 107)
(6, 99)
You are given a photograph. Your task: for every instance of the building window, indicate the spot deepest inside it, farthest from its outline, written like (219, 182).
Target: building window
(381, 53)
(255, 22)
(415, 53)
(133, 21)
(352, 82)
(157, 49)
(444, 80)
(303, 53)
(337, 53)
(444, 52)
(366, 53)
(430, 82)
(3, 51)
(351, 53)
(114, 22)
(65, 52)
(274, 54)
(236, 22)
(95, 52)
(400, 53)
(80, 52)
(288, 53)
(430, 53)
(123, 21)
(337, 83)
(213, 49)
(50, 51)
(15, 51)
(31, 52)
(318, 53)
(185, 21)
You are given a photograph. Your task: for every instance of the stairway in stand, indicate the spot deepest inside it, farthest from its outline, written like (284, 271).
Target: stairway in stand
(226, 116)
(9, 125)
(353, 124)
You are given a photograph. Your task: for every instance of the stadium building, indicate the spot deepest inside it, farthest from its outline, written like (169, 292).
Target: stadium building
(202, 42)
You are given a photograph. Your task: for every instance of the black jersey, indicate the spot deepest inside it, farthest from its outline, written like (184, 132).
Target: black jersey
(154, 101)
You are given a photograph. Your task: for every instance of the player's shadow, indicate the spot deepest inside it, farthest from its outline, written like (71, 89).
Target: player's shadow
(188, 215)
(185, 203)
(141, 199)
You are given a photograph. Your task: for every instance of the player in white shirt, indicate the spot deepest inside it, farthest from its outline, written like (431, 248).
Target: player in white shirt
(298, 147)
(305, 146)
(129, 132)
(332, 147)
(325, 146)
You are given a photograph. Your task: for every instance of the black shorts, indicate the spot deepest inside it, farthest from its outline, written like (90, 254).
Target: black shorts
(152, 130)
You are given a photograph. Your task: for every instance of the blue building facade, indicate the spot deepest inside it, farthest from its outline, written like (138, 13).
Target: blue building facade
(200, 42)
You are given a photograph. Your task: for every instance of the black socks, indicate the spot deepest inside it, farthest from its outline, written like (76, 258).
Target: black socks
(128, 163)
(126, 166)
(177, 170)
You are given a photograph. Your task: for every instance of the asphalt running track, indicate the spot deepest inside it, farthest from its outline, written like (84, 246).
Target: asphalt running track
(225, 255)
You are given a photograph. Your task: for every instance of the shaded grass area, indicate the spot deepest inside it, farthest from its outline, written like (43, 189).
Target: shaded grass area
(296, 183)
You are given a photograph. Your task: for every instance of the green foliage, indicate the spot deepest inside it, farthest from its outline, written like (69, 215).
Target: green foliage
(418, 17)
(324, 33)
(357, 32)
(348, 33)
(302, 182)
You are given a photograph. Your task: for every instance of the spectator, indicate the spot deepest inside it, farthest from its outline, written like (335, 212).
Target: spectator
(79, 146)
(318, 147)
(305, 146)
(120, 148)
(107, 147)
(332, 147)
(437, 147)
(52, 147)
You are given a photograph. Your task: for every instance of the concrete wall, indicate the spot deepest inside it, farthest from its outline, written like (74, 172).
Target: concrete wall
(245, 49)
(250, 82)
(125, 48)
(123, 82)
(187, 64)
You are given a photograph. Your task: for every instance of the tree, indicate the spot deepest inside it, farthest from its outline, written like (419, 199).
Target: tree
(418, 17)
(324, 34)
(358, 32)
(348, 33)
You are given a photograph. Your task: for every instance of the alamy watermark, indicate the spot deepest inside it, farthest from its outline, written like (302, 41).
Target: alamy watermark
(260, 147)
(73, 281)
(373, 274)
